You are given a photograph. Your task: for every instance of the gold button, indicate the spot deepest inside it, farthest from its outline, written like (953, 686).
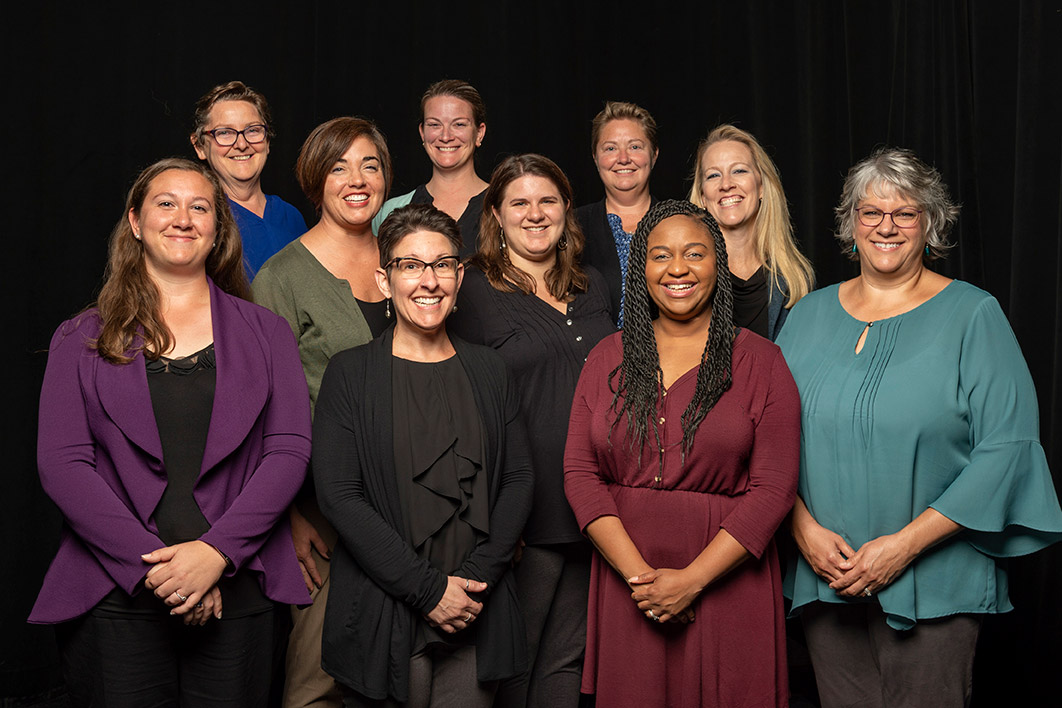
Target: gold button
(661, 421)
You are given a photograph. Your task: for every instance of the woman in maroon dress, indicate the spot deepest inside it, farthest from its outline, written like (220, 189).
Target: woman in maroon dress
(681, 462)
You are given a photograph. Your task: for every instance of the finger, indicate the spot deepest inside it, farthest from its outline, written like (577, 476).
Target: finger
(306, 577)
(317, 542)
(474, 585)
(311, 568)
(159, 555)
(643, 578)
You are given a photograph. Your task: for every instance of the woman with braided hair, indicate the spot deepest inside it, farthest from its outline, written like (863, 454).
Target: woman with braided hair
(681, 462)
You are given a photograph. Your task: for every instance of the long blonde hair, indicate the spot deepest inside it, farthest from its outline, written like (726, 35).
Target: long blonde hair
(774, 242)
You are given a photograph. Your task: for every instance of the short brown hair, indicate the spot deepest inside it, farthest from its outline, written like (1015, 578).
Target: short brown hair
(326, 144)
(232, 91)
(621, 110)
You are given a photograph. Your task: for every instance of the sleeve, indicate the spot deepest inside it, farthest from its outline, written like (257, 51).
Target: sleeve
(340, 475)
(491, 558)
(774, 464)
(271, 292)
(1004, 495)
(248, 523)
(584, 486)
(66, 460)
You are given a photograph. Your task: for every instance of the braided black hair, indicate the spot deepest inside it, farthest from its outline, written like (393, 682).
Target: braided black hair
(638, 380)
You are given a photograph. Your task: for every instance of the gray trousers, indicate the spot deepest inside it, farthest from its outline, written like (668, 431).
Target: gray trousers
(439, 677)
(860, 661)
(553, 583)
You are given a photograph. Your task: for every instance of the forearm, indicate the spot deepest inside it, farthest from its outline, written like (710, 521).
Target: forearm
(927, 530)
(611, 539)
(722, 554)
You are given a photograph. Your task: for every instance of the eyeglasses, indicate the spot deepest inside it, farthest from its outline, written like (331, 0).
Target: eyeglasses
(227, 137)
(445, 267)
(904, 217)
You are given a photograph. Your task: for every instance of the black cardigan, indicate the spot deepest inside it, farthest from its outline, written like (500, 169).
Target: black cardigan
(377, 580)
(600, 249)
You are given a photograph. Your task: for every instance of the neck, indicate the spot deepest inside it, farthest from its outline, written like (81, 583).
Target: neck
(741, 255)
(180, 289)
(692, 331)
(417, 345)
(246, 194)
(536, 269)
(460, 181)
(634, 201)
(343, 236)
(886, 291)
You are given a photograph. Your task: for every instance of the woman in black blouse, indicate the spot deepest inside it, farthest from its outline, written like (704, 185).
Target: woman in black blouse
(526, 295)
(421, 464)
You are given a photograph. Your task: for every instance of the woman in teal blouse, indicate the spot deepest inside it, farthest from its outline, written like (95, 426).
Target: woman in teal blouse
(921, 464)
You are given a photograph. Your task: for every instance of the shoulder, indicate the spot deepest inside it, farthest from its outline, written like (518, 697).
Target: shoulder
(283, 207)
(753, 351)
(78, 332)
(483, 360)
(285, 263)
(607, 353)
(396, 202)
(259, 318)
(588, 213)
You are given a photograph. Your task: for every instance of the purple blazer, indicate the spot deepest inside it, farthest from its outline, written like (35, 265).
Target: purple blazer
(100, 459)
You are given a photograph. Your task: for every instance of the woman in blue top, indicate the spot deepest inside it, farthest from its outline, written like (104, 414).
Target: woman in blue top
(232, 133)
(920, 457)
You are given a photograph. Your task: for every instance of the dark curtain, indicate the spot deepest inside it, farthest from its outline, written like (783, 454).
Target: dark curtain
(973, 87)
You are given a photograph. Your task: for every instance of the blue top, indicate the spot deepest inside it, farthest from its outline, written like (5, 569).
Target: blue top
(280, 224)
(937, 410)
(623, 250)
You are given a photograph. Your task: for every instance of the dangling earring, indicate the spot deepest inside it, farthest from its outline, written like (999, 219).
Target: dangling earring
(927, 249)
(563, 243)
(854, 249)
(387, 308)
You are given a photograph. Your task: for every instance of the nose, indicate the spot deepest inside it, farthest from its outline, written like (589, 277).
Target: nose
(428, 279)
(887, 225)
(534, 212)
(725, 181)
(677, 266)
(355, 178)
(182, 218)
(241, 142)
(624, 156)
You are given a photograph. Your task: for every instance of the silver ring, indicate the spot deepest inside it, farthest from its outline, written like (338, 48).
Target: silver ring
(866, 592)
(183, 598)
(652, 615)
(466, 583)
(469, 617)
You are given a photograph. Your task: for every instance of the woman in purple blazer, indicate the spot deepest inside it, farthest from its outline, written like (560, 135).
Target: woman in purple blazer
(174, 433)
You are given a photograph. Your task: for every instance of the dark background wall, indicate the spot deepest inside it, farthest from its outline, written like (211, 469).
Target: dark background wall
(96, 94)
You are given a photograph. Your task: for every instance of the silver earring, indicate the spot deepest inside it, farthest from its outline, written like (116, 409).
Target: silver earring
(387, 309)
(136, 236)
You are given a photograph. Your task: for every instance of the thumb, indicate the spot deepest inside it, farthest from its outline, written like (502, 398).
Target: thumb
(476, 586)
(159, 555)
(643, 579)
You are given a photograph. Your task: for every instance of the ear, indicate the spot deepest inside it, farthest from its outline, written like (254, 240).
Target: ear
(381, 282)
(134, 221)
(197, 147)
(420, 129)
(656, 154)
(480, 133)
(460, 277)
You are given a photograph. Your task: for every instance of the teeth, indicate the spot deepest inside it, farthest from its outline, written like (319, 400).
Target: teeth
(886, 246)
(679, 287)
(427, 300)
(730, 201)
(241, 157)
(624, 172)
(448, 149)
(535, 229)
(357, 198)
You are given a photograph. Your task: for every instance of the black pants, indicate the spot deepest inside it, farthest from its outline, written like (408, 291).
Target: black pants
(155, 661)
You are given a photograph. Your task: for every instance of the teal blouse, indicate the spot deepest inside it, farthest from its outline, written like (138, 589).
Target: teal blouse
(937, 410)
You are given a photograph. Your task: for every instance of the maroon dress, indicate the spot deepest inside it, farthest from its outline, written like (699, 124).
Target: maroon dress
(740, 475)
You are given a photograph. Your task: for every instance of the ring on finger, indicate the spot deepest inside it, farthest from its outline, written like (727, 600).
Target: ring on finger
(466, 583)
(468, 617)
(867, 592)
(182, 598)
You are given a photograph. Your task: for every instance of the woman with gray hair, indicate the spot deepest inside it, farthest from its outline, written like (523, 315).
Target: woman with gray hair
(921, 465)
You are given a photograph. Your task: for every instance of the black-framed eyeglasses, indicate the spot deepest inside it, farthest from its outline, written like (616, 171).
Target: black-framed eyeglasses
(445, 267)
(904, 217)
(227, 137)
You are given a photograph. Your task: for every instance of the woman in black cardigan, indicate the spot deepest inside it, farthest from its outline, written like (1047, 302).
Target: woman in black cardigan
(422, 466)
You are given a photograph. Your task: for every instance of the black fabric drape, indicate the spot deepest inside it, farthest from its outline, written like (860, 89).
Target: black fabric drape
(95, 95)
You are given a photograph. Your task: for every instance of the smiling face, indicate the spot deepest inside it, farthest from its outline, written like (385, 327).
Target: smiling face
(176, 223)
(242, 162)
(532, 216)
(680, 268)
(730, 184)
(624, 156)
(355, 187)
(421, 304)
(449, 132)
(886, 249)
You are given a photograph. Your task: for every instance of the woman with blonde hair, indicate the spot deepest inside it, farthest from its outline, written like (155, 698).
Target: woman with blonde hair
(736, 181)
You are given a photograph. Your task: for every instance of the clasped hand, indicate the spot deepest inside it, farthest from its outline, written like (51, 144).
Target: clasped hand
(666, 593)
(456, 610)
(876, 564)
(184, 576)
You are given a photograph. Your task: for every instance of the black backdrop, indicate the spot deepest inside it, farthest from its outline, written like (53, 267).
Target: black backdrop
(973, 87)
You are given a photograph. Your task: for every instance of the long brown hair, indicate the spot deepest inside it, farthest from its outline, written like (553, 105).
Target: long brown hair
(130, 302)
(491, 258)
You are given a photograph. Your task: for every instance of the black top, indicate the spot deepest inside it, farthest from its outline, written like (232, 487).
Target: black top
(182, 398)
(545, 349)
(750, 301)
(438, 439)
(468, 223)
(375, 314)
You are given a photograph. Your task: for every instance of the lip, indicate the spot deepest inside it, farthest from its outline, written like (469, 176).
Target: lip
(731, 200)
(679, 288)
(356, 198)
